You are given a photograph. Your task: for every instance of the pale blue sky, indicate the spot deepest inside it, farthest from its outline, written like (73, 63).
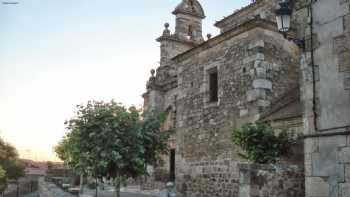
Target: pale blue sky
(55, 54)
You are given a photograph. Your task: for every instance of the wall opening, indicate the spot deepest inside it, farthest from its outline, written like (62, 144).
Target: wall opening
(172, 165)
(213, 86)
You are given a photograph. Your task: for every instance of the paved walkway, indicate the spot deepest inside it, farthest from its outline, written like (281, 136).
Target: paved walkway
(100, 194)
(34, 194)
(110, 193)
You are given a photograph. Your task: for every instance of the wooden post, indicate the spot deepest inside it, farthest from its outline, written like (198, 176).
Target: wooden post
(81, 190)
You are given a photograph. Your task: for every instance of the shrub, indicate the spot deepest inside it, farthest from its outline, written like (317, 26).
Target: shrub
(261, 144)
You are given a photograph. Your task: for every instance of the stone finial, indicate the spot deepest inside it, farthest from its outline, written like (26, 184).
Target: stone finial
(208, 36)
(153, 72)
(152, 80)
(166, 25)
(166, 31)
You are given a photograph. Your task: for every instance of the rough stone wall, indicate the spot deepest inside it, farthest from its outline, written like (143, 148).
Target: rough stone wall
(294, 125)
(255, 65)
(253, 68)
(271, 180)
(326, 147)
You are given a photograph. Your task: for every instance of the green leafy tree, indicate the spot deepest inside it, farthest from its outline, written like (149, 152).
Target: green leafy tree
(9, 161)
(261, 144)
(107, 139)
(10, 166)
(3, 180)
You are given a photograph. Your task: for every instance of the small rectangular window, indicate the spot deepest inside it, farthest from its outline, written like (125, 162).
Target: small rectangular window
(213, 86)
(172, 165)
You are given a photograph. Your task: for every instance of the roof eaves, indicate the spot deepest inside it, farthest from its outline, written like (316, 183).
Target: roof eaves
(218, 23)
(251, 24)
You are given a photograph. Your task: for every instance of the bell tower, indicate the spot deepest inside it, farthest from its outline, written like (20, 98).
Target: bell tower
(188, 31)
(189, 15)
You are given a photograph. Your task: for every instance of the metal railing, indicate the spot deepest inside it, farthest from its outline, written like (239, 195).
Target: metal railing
(22, 188)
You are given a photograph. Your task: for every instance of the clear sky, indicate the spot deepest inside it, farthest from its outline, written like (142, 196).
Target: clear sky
(55, 54)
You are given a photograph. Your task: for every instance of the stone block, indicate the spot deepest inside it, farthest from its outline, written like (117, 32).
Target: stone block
(263, 103)
(308, 164)
(328, 162)
(328, 10)
(244, 191)
(341, 43)
(331, 144)
(324, 164)
(262, 84)
(311, 145)
(317, 186)
(347, 85)
(347, 173)
(344, 61)
(255, 94)
(258, 56)
(344, 189)
(244, 177)
(259, 43)
(243, 112)
(347, 23)
(261, 72)
(344, 155)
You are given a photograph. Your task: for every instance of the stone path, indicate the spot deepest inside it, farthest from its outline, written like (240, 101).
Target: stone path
(110, 193)
(34, 194)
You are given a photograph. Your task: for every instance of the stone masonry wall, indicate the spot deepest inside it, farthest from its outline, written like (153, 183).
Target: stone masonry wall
(327, 147)
(253, 68)
(271, 180)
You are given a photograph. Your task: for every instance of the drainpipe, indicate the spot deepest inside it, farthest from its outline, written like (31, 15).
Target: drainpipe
(314, 102)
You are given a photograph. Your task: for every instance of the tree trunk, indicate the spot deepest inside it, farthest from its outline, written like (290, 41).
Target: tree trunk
(117, 187)
(81, 189)
(96, 186)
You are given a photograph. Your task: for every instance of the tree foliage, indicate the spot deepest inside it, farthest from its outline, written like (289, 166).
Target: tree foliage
(3, 180)
(10, 166)
(107, 139)
(9, 161)
(261, 144)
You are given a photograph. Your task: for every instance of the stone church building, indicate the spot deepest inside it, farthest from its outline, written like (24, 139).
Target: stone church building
(250, 71)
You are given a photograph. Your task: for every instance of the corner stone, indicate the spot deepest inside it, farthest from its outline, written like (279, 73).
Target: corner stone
(344, 189)
(344, 155)
(317, 186)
